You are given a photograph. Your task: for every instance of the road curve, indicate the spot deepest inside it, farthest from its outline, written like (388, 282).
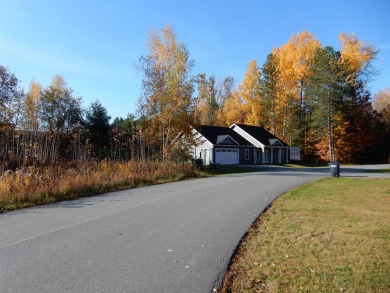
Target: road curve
(175, 237)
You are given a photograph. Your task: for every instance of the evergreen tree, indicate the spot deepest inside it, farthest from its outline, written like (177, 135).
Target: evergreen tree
(325, 88)
(269, 83)
(98, 124)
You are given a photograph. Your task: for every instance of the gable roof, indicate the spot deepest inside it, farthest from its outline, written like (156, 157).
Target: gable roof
(261, 134)
(219, 135)
(226, 139)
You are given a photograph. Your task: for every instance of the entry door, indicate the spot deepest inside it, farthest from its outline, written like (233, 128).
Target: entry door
(206, 157)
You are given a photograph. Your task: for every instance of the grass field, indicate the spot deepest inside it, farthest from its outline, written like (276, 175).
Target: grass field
(38, 186)
(328, 236)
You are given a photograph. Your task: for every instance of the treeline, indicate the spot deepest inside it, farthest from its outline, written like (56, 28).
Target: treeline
(309, 95)
(50, 126)
(314, 97)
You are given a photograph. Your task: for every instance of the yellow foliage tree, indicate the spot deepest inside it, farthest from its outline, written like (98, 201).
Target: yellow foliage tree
(232, 110)
(381, 101)
(357, 56)
(32, 106)
(293, 61)
(166, 104)
(250, 93)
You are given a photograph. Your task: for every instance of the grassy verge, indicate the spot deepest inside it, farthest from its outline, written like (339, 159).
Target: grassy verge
(306, 165)
(38, 186)
(329, 236)
(380, 171)
(227, 169)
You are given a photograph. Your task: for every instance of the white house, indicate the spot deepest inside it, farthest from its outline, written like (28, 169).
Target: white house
(239, 144)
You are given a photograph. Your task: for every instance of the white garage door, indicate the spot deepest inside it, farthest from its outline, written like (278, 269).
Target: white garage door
(226, 156)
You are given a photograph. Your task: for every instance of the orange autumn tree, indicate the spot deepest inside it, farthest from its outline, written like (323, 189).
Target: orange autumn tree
(358, 122)
(357, 56)
(293, 61)
(250, 92)
(232, 110)
(244, 105)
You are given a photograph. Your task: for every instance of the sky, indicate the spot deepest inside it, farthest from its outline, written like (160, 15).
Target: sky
(96, 44)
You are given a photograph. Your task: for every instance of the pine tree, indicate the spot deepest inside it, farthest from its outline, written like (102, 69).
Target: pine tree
(325, 88)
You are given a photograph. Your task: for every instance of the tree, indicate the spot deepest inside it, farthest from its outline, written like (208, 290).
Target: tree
(357, 56)
(381, 104)
(356, 59)
(207, 99)
(166, 105)
(325, 88)
(32, 107)
(293, 62)
(250, 93)
(232, 111)
(11, 97)
(97, 123)
(224, 92)
(60, 111)
(269, 83)
(358, 122)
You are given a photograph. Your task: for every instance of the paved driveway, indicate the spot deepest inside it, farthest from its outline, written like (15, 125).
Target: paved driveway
(175, 237)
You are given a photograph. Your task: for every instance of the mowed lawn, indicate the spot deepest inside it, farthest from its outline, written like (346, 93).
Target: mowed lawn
(332, 235)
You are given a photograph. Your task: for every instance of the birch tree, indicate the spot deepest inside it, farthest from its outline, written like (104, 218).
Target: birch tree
(32, 107)
(166, 105)
(207, 105)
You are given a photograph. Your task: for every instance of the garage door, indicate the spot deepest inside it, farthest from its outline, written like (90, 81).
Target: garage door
(226, 156)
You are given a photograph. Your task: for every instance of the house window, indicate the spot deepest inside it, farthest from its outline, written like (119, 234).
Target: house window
(258, 154)
(246, 154)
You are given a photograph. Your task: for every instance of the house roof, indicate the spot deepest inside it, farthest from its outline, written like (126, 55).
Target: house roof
(261, 134)
(219, 135)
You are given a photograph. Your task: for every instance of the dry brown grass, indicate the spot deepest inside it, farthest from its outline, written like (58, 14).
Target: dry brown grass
(36, 186)
(328, 236)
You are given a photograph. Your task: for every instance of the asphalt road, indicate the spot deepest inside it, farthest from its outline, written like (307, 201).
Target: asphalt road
(175, 237)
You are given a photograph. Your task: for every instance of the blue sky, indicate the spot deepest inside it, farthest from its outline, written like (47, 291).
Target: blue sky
(96, 44)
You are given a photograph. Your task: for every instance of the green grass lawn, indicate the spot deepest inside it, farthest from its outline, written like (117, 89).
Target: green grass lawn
(332, 235)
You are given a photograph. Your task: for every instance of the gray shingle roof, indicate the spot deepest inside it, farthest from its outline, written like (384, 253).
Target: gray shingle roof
(260, 134)
(215, 135)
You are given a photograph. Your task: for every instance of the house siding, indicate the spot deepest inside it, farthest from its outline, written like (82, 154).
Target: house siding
(200, 151)
(243, 160)
(253, 147)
